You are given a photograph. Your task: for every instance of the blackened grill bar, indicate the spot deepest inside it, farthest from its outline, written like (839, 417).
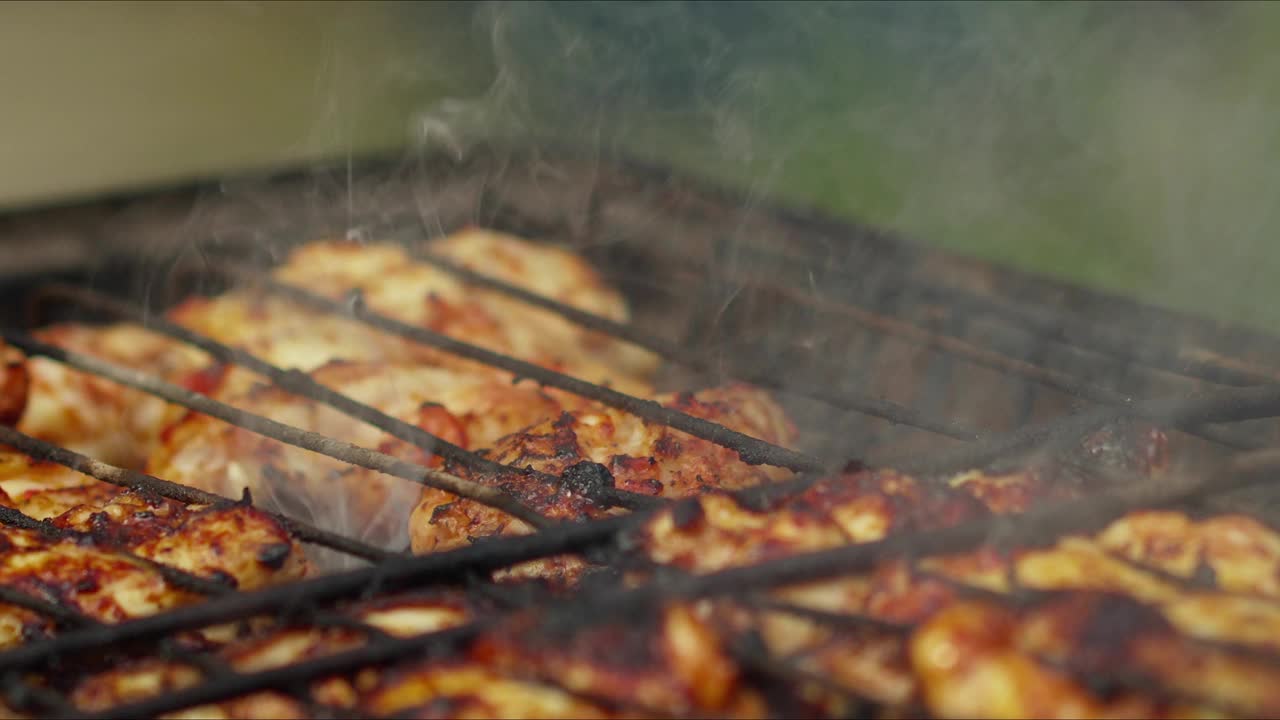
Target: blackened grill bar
(1035, 526)
(1006, 358)
(173, 576)
(836, 397)
(948, 343)
(1049, 378)
(388, 576)
(266, 427)
(304, 599)
(1041, 325)
(1036, 324)
(752, 450)
(176, 577)
(122, 477)
(302, 385)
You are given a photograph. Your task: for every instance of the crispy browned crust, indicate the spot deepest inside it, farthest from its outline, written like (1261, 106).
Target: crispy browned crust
(276, 648)
(94, 568)
(464, 408)
(15, 385)
(635, 455)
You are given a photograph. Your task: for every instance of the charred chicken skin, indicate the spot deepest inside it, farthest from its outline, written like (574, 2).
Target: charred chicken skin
(1160, 614)
(464, 408)
(92, 558)
(668, 662)
(611, 446)
(1177, 615)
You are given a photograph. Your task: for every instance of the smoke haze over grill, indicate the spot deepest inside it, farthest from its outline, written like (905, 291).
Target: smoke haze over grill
(1125, 145)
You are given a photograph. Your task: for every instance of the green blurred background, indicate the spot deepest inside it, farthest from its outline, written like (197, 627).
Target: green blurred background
(1130, 146)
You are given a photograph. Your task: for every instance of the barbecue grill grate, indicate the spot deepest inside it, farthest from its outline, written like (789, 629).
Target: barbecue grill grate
(1020, 348)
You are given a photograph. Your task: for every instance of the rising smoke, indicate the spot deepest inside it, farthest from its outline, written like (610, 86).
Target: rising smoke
(1124, 145)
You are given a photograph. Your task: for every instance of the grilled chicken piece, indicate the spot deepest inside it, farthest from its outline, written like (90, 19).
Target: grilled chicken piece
(97, 417)
(668, 661)
(472, 691)
(1235, 552)
(392, 283)
(964, 664)
(989, 660)
(720, 530)
(1199, 605)
(92, 566)
(117, 425)
(15, 384)
(44, 489)
(636, 456)
(398, 616)
(669, 664)
(467, 409)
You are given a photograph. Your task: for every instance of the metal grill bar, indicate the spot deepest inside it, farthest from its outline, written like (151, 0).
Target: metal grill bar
(315, 442)
(1070, 334)
(751, 654)
(1032, 526)
(751, 450)
(370, 655)
(177, 577)
(1005, 359)
(401, 572)
(845, 621)
(836, 397)
(24, 696)
(1219, 406)
(981, 356)
(121, 477)
(1040, 323)
(1029, 528)
(948, 343)
(60, 614)
(497, 553)
(303, 385)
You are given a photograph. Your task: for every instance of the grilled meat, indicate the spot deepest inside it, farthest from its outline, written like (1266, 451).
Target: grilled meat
(995, 661)
(117, 425)
(97, 417)
(1160, 614)
(600, 444)
(467, 409)
(88, 559)
(391, 282)
(395, 616)
(669, 662)
(15, 385)
(955, 635)
(46, 489)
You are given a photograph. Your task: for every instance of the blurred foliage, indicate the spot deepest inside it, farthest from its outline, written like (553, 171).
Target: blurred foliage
(1125, 145)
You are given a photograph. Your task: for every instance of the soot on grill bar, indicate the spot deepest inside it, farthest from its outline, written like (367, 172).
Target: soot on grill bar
(520, 429)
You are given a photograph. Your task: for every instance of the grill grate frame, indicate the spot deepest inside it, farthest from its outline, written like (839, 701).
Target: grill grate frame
(1251, 395)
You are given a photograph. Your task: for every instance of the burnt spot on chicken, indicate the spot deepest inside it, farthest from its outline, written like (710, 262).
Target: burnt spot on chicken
(274, 555)
(589, 479)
